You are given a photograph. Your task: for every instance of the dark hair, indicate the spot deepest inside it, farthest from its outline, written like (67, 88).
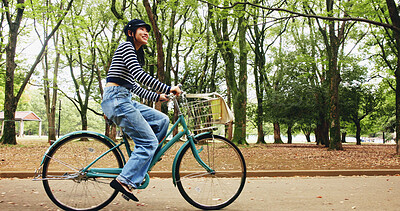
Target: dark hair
(139, 52)
(133, 25)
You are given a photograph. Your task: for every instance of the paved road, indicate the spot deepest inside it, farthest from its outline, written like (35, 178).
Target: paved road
(266, 193)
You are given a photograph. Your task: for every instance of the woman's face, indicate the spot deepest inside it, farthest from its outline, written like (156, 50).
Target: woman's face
(141, 37)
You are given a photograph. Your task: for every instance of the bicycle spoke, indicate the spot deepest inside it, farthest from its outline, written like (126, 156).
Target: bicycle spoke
(63, 163)
(65, 183)
(194, 175)
(214, 190)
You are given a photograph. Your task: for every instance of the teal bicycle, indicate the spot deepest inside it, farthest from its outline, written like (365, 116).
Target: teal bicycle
(209, 170)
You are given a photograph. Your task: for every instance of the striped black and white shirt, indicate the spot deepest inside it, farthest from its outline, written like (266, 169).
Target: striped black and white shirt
(125, 71)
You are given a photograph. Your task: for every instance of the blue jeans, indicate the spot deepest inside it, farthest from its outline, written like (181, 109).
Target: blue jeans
(146, 126)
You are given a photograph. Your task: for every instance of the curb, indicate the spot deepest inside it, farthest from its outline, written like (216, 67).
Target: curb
(269, 173)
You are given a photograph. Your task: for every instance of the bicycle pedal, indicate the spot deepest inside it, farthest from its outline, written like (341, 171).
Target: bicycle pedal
(125, 197)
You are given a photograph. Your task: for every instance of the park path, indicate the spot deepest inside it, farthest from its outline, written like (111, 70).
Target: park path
(264, 193)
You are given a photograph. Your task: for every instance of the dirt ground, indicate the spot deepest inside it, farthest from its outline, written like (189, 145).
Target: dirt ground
(27, 155)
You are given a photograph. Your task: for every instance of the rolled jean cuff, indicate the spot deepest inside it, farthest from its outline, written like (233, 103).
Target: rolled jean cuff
(126, 181)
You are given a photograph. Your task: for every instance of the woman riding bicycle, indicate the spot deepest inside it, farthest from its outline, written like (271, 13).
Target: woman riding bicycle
(146, 126)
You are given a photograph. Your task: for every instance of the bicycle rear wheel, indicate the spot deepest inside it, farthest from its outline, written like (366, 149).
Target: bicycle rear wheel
(66, 185)
(211, 190)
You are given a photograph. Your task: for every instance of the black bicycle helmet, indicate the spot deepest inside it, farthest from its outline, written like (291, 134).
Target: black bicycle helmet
(134, 24)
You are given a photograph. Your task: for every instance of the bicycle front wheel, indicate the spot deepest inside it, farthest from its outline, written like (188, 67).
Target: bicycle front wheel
(65, 183)
(211, 190)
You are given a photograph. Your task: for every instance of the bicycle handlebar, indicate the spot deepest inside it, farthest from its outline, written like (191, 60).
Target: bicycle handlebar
(173, 93)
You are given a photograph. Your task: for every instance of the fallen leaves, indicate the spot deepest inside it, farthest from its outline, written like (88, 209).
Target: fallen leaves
(27, 157)
(313, 157)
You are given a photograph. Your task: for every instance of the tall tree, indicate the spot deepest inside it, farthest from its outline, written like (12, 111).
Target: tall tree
(2, 46)
(12, 99)
(240, 90)
(49, 85)
(79, 46)
(50, 92)
(334, 76)
(171, 40)
(9, 100)
(258, 38)
(159, 43)
(395, 18)
(235, 88)
(357, 103)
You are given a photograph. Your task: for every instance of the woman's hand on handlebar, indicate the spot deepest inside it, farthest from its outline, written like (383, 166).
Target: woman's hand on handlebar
(163, 98)
(176, 90)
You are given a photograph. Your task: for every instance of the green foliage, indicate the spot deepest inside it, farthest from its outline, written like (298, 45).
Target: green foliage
(356, 103)
(293, 103)
(294, 66)
(70, 119)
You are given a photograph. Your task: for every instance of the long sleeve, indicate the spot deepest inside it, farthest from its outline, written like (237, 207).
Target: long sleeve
(125, 70)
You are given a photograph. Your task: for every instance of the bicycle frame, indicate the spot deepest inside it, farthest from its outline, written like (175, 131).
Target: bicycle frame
(113, 172)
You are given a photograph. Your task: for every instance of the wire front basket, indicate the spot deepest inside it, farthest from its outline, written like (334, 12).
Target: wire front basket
(206, 111)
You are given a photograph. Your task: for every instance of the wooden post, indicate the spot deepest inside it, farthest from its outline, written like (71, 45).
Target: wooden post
(2, 128)
(40, 129)
(21, 128)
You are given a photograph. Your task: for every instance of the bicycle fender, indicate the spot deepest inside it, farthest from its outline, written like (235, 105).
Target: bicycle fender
(199, 136)
(78, 133)
(175, 161)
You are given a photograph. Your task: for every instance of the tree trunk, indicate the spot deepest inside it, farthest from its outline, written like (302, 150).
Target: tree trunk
(334, 79)
(322, 130)
(229, 59)
(10, 103)
(160, 52)
(170, 46)
(260, 134)
(51, 102)
(259, 80)
(289, 135)
(111, 131)
(277, 134)
(240, 93)
(395, 18)
(317, 133)
(9, 135)
(325, 133)
(50, 107)
(55, 88)
(308, 137)
(335, 142)
(397, 73)
(358, 132)
(344, 137)
(213, 86)
(84, 119)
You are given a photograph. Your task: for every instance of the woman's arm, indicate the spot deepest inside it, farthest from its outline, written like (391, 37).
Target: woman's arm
(130, 58)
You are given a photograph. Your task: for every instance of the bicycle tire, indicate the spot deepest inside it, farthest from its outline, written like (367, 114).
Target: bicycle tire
(211, 191)
(65, 159)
